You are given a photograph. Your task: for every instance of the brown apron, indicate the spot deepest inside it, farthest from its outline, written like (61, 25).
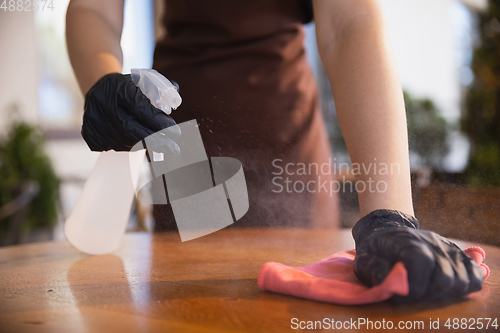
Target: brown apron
(243, 74)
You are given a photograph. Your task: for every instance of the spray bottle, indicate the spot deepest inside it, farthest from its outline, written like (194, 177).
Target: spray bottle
(99, 219)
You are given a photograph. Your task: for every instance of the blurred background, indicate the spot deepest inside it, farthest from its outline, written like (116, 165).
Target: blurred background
(447, 52)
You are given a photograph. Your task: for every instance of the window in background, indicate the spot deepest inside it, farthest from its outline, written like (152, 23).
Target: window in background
(432, 42)
(60, 99)
(463, 26)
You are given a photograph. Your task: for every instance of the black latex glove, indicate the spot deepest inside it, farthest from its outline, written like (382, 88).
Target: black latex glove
(437, 268)
(118, 115)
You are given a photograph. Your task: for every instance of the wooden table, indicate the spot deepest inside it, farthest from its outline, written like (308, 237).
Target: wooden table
(155, 283)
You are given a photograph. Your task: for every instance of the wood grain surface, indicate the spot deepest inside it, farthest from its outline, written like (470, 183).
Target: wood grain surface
(155, 283)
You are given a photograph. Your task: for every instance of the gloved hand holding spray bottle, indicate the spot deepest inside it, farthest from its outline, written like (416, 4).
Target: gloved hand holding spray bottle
(120, 110)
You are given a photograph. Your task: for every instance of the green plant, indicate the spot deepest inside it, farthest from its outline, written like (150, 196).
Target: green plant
(481, 119)
(22, 159)
(427, 131)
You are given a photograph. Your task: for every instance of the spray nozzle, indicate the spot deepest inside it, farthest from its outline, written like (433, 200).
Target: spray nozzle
(160, 91)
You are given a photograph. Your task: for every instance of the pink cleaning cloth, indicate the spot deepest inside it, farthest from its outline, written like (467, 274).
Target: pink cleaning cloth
(333, 280)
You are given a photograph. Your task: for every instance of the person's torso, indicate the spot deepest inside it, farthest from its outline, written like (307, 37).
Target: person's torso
(243, 74)
(241, 64)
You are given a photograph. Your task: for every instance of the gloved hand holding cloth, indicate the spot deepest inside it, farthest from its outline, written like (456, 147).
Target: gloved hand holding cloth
(393, 260)
(437, 268)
